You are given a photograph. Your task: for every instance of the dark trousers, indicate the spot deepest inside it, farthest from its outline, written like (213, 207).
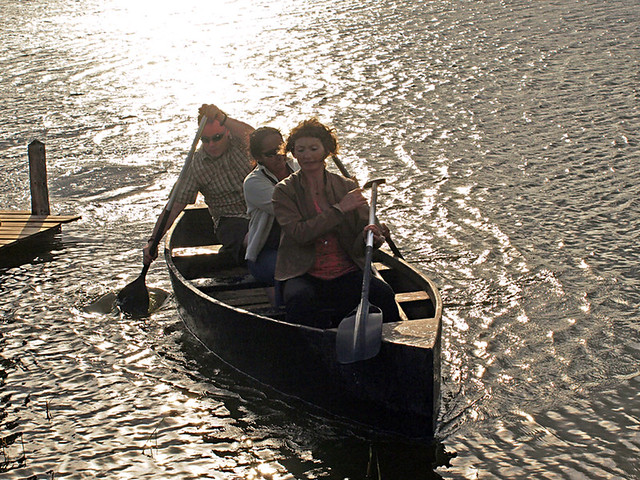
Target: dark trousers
(263, 269)
(231, 232)
(324, 303)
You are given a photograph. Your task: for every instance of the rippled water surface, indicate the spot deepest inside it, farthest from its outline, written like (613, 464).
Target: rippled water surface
(508, 135)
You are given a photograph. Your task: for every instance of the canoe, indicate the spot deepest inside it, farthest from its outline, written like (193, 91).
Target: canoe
(395, 393)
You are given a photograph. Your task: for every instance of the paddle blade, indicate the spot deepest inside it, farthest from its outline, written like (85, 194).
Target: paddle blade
(355, 344)
(133, 299)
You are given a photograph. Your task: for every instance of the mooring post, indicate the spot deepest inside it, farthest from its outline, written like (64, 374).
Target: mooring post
(38, 175)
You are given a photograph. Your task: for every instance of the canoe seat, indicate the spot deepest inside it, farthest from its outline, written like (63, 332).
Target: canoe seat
(196, 250)
(416, 296)
(416, 304)
(209, 261)
(227, 282)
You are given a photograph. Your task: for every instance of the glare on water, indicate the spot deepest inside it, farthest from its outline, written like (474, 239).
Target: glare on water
(508, 136)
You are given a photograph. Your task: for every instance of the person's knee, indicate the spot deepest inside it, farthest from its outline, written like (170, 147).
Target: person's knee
(297, 292)
(301, 304)
(263, 269)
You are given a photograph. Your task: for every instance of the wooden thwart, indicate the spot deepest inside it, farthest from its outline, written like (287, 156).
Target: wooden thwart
(197, 250)
(412, 296)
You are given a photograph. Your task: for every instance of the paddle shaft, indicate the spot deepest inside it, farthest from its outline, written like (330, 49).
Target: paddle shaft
(164, 218)
(133, 299)
(363, 309)
(346, 173)
(155, 239)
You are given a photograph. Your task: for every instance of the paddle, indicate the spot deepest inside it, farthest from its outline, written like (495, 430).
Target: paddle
(345, 172)
(360, 334)
(133, 299)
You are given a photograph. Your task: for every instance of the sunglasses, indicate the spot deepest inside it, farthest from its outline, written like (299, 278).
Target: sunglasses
(271, 153)
(216, 138)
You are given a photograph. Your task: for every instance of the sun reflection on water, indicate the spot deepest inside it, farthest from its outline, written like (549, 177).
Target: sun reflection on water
(180, 54)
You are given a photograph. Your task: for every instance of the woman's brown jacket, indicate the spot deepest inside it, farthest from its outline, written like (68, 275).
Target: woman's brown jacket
(302, 225)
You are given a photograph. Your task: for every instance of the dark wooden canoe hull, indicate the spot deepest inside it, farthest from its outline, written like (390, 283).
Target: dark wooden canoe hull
(396, 392)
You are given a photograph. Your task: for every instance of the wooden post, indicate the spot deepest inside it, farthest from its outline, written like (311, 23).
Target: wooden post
(38, 175)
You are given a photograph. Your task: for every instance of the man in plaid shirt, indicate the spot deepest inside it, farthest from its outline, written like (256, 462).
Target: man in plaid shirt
(217, 170)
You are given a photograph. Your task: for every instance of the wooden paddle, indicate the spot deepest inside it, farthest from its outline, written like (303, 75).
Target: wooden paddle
(360, 334)
(346, 173)
(133, 299)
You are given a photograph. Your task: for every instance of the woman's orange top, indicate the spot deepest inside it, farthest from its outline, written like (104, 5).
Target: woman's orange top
(331, 260)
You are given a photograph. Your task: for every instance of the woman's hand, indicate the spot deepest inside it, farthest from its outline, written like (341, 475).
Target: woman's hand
(352, 200)
(379, 234)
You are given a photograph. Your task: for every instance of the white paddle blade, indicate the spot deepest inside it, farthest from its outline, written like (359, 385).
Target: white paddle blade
(350, 347)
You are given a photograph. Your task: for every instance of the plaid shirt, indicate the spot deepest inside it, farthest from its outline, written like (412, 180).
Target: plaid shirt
(219, 180)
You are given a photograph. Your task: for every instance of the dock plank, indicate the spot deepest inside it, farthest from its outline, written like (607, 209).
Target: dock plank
(20, 225)
(8, 233)
(17, 217)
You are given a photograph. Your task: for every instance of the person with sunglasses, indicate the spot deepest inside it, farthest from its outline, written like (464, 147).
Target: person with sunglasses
(217, 170)
(266, 147)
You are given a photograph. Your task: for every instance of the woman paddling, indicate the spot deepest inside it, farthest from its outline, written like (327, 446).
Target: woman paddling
(323, 217)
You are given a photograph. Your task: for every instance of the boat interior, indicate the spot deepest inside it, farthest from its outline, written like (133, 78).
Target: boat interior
(236, 287)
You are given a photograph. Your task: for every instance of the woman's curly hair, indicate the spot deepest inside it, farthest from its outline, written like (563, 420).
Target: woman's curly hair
(313, 128)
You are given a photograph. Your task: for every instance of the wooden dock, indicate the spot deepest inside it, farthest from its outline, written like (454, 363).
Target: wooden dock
(22, 232)
(20, 225)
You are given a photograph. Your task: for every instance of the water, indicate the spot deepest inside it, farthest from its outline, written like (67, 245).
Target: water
(508, 135)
